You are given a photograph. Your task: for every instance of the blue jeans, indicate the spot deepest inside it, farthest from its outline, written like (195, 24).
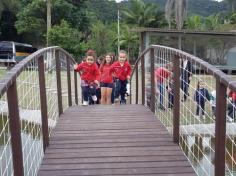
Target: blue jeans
(161, 88)
(88, 91)
(120, 89)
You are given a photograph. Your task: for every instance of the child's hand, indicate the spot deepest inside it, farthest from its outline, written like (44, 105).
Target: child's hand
(128, 77)
(96, 82)
(75, 66)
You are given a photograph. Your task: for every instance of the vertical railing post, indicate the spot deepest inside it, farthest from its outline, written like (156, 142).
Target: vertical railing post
(43, 102)
(130, 88)
(15, 130)
(68, 81)
(153, 97)
(76, 87)
(143, 79)
(136, 75)
(220, 128)
(58, 74)
(176, 110)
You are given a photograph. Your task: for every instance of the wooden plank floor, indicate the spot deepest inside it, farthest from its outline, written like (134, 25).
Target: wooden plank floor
(112, 140)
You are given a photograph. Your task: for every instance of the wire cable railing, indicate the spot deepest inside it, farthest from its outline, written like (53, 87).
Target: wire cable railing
(196, 103)
(33, 95)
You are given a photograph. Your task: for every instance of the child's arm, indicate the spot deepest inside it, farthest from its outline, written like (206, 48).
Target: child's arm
(97, 75)
(129, 70)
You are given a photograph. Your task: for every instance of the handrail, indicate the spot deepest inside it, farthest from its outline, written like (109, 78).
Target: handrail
(225, 79)
(223, 82)
(33, 67)
(6, 81)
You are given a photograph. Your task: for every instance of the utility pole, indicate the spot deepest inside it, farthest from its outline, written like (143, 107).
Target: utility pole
(118, 28)
(49, 18)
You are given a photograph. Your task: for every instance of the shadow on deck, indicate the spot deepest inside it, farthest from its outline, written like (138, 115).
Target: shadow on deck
(112, 140)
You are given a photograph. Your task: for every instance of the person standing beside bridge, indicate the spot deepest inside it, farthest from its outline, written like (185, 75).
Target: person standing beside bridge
(89, 77)
(122, 71)
(186, 73)
(161, 75)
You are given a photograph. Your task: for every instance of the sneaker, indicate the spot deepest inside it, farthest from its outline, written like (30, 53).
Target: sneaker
(197, 116)
(94, 98)
(203, 117)
(229, 119)
(85, 103)
(117, 100)
(123, 102)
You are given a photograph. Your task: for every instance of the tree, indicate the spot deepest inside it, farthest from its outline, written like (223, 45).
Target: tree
(179, 8)
(129, 41)
(212, 22)
(32, 18)
(101, 38)
(8, 10)
(140, 14)
(65, 36)
(194, 22)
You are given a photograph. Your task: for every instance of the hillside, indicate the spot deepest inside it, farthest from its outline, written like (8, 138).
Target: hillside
(199, 7)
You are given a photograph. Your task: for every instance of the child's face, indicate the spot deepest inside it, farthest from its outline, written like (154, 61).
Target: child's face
(122, 57)
(90, 60)
(201, 85)
(108, 59)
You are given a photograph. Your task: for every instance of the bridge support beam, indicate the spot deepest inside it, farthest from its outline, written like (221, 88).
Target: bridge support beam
(76, 88)
(176, 110)
(15, 129)
(143, 80)
(137, 85)
(220, 128)
(43, 103)
(68, 81)
(153, 94)
(58, 74)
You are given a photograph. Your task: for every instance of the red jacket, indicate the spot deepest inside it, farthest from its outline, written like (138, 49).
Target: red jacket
(88, 72)
(106, 75)
(121, 72)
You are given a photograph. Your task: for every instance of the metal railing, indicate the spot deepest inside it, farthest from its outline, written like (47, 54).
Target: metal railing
(33, 95)
(189, 113)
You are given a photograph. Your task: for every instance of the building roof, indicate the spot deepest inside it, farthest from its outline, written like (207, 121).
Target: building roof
(183, 31)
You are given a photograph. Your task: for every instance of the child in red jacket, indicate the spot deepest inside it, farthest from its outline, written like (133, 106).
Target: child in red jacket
(121, 70)
(106, 79)
(89, 77)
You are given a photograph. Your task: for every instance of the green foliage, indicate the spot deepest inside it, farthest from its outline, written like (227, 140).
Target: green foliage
(102, 10)
(193, 22)
(140, 13)
(129, 42)
(101, 38)
(32, 18)
(212, 22)
(68, 38)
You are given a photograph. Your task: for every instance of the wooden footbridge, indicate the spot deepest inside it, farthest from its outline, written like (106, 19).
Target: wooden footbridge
(99, 140)
(112, 140)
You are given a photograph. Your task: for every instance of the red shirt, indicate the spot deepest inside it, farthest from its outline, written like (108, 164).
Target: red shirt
(121, 72)
(88, 72)
(233, 95)
(106, 75)
(161, 74)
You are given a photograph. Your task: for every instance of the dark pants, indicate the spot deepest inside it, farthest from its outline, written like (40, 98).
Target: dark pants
(184, 87)
(88, 91)
(161, 93)
(200, 106)
(171, 99)
(120, 89)
(113, 96)
(231, 109)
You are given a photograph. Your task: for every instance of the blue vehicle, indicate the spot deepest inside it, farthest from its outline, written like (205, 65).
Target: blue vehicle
(12, 52)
